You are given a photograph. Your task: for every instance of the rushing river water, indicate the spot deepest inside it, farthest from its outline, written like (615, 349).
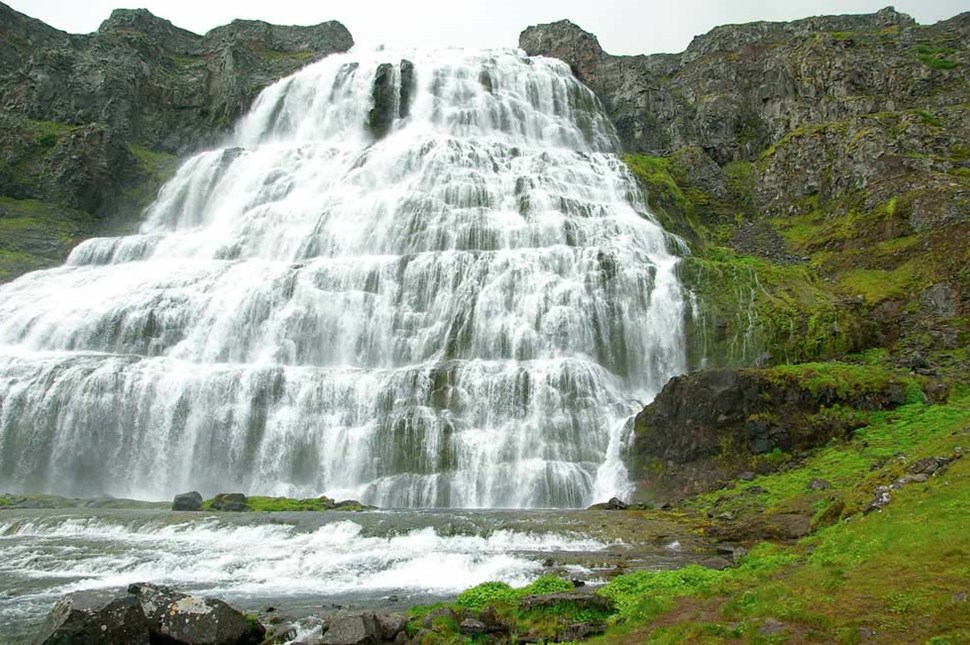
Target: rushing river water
(302, 563)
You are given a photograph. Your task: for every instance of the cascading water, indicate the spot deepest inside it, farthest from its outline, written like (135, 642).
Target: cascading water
(414, 278)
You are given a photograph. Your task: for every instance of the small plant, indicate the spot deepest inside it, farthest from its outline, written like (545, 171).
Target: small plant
(544, 585)
(485, 594)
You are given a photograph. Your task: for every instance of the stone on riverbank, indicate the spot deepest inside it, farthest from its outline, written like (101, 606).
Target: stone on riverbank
(143, 614)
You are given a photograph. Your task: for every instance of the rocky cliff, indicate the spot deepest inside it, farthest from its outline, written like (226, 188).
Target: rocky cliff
(92, 124)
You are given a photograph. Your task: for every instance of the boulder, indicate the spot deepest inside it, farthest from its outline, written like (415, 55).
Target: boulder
(614, 504)
(231, 502)
(187, 502)
(390, 625)
(103, 617)
(155, 601)
(346, 628)
(193, 620)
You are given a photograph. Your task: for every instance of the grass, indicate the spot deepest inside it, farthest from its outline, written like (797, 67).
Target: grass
(548, 622)
(896, 572)
(936, 57)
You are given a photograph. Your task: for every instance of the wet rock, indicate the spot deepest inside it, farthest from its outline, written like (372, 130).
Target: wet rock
(747, 476)
(614, 504)
(352, 629)
(95, 617)
(408, 87)
(280, 634)
(230, 502)
(194, 620)
(716, 563)
(187, 502)
(381, 116)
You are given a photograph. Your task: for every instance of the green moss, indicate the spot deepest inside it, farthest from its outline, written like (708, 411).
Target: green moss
(930, 119)
(545, 584)
(876, 285)
(279, 504)
(301, 56)
(745, 308)
(485, 594)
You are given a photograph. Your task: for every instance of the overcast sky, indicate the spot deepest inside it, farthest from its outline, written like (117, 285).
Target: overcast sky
(623, 26)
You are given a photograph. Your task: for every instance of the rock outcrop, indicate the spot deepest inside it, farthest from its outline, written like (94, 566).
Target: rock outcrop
(92, 125)
(711, 425)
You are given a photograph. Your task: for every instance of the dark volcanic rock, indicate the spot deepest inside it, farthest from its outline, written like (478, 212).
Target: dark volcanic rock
(95, 618)
(705, 426)
(193, 620)
(381, 116)
(187, 502)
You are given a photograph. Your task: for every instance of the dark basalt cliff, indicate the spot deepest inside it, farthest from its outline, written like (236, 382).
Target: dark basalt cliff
(740, 88)
(92, 124)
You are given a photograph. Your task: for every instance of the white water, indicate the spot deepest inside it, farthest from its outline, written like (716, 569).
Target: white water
(268, 559)
(466, 312)
(253, 562)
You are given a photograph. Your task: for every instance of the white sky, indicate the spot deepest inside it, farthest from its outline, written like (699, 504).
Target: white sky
(623, 26)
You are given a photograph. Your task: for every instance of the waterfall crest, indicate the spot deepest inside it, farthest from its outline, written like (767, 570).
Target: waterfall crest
(413, 278)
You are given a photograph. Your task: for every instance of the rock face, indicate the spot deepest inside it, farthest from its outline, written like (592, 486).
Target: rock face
(708, 425)
(95, 617)
(143, 614)
(92, 125)
(150, 81)
(739, 88)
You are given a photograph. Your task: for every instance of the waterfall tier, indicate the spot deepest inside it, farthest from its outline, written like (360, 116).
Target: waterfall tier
(413, 278)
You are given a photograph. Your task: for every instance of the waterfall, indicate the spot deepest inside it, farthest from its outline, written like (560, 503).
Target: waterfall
(413, 278)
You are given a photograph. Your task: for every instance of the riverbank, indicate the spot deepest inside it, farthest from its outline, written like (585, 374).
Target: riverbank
(302, 563)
